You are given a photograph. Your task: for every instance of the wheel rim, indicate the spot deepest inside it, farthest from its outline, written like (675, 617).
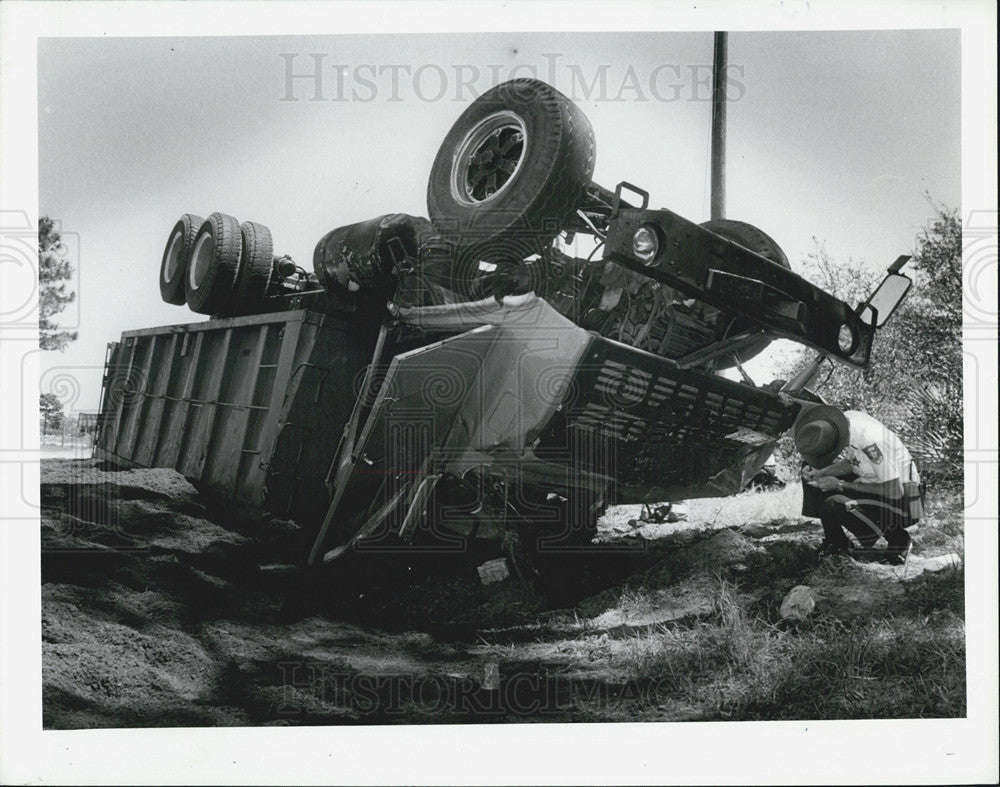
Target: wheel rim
(488, 158)
(173, 257)
(201, 260)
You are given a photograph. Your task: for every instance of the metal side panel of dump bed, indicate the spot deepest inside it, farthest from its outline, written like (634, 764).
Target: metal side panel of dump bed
(251, 408)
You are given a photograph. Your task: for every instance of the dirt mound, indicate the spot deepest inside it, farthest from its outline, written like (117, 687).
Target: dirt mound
(95, 668)
(153, 483)
(677, 586)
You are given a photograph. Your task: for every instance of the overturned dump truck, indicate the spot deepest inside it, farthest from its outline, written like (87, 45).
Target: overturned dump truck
(471, 375)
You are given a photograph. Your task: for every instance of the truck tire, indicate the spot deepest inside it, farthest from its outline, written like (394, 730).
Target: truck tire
(176, 255)
(215, 261)
(758, 241)
(256, 266)
(514, 166)
(749, 237)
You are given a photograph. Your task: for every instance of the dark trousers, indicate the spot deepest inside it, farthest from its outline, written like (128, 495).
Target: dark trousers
(873, 517)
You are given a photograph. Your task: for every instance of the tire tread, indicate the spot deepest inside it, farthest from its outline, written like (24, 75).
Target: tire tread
(256, 266)
(532, 219)
(217, 286)
(173, 291)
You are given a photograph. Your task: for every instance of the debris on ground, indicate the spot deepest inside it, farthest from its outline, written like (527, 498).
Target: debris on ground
(493, 571)
(658, 514)
(798, 604)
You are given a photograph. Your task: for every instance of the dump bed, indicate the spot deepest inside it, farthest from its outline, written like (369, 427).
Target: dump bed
(251, 408)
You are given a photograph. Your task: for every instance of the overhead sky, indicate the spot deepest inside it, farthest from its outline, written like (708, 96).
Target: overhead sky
(835, 135)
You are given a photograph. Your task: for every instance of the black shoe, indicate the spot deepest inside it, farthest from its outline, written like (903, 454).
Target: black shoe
(867, 554)
(829, 548)
(897, 556)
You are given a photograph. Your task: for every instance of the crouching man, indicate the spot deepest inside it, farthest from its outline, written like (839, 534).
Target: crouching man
(863, 491)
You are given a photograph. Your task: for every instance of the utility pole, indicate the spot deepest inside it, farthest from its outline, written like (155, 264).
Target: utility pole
(719, 61)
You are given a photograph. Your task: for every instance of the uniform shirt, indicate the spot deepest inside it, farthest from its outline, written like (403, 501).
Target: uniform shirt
(875, 452)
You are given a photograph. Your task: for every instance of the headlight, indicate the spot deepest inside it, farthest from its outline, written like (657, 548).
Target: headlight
(845, 339)
(645, 244)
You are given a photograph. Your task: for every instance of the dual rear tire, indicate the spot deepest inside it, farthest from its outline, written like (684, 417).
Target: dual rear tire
(217, 265)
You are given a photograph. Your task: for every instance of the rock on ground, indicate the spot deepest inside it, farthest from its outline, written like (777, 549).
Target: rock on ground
(798, 604)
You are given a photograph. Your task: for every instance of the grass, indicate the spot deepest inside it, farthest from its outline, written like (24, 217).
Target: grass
(885, 649)
(943, 527)
(635, 601)
(908, 663)
(905, 660)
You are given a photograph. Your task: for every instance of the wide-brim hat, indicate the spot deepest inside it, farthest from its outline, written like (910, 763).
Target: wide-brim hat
(821, 433)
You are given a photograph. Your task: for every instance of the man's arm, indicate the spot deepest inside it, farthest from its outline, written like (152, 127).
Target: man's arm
(841, 468)
(890, 489)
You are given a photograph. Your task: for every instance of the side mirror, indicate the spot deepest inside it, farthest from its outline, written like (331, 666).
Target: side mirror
(883, 302)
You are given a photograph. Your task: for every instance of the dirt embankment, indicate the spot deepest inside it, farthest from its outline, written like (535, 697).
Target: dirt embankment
(161, 610)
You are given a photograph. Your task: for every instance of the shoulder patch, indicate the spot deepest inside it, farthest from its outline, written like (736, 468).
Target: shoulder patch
(873, 452)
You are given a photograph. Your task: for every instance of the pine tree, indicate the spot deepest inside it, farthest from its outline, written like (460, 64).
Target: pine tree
(51, 411)
(53, 273)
